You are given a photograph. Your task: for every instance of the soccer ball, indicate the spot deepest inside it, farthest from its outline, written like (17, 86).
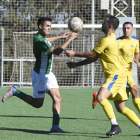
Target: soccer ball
(75, 24)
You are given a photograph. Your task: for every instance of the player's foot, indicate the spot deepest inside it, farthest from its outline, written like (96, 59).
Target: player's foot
(94, 101)
(9, 93)
(56, 129)
(115, 129)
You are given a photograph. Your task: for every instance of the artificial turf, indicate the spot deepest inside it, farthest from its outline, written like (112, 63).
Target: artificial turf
(20, 121)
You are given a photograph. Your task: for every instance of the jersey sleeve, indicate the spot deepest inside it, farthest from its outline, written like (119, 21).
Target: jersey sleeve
(103, 43)
(44, 45)
(137, 47)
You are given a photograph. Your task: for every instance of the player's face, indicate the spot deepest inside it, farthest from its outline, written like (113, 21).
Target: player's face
(45, 28)
(105, 26)
(127, 30)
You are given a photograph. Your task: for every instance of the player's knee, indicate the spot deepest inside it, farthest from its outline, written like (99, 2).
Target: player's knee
(99, 98)
(38, 105)
(120, 111)
(59, 99)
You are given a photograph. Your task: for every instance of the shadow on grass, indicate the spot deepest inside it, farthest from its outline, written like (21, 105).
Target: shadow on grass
(100, 135)
(26, 130)
(16, 116)
(48, 132)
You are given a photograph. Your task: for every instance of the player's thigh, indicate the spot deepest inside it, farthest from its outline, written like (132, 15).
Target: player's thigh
(39, 85)
(52, 87)
(51, 82)
(103, 93)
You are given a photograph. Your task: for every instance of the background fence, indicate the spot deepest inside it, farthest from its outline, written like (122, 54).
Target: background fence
(19, 20)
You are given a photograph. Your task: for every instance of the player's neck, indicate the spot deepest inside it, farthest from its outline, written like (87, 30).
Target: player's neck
(42, 34)
(127, 37)
(110, 32)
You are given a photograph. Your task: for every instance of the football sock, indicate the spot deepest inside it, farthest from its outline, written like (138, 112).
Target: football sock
(113, 121)
(136, 103)
(131, 116)
(56, 119)
(20, 94)
(139, 125)
(108, 109)
(14, 89)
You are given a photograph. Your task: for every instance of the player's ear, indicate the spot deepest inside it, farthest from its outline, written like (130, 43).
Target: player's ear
(110, 26)
(40, 26)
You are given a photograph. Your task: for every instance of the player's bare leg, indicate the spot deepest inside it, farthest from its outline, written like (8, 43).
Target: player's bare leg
(56, 97)
(103, 94)
(35, 102)
(56, 108)
(134, 91)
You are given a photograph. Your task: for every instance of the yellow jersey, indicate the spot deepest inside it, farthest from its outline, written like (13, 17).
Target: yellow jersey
(108, 48)
(127, 49)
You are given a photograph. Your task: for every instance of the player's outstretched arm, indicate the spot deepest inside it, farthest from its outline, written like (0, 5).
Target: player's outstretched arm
(81, 63)
(65, 35)
(58, 50)
(91, 54)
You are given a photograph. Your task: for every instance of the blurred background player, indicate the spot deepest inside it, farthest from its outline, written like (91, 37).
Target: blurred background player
(128, 50)
(43, 80)
(116, 78)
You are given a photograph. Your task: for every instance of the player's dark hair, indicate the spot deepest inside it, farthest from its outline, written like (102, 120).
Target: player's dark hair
(112, 20)
(128, 23)
(41, 20)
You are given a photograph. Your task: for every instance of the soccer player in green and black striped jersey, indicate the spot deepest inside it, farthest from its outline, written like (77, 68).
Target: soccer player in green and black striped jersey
(43, 80)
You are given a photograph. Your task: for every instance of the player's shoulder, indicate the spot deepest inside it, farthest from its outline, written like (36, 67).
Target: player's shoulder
(36, 35)
(104, 40)
(110, 38)
(134, 37)
(120, 38)
(39, 37)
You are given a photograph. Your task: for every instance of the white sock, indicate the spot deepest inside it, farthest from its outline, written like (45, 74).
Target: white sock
(113, 121)
(139, 125)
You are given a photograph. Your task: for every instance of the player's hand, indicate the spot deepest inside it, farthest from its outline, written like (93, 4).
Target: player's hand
(137, 62)
(72, 36)
(71, 64)
(65, 35)
(70, 53)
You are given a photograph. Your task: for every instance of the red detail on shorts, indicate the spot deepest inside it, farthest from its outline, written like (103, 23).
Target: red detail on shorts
(41, 92)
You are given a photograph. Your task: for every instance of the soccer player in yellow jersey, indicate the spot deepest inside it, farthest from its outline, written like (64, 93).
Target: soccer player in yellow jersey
(116, 77)
(129, 50)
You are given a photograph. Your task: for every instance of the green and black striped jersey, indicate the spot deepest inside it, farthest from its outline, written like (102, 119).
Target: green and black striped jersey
(41, 49)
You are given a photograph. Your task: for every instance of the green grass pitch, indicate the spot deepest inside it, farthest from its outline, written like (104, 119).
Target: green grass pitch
(20, 121)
